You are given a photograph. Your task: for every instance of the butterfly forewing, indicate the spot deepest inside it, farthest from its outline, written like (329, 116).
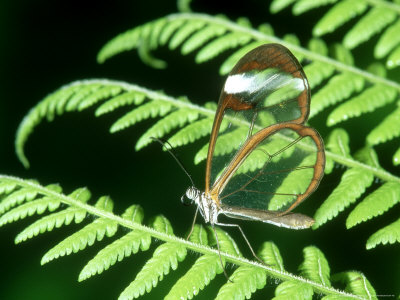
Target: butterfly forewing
(264, 158)
(267, 86)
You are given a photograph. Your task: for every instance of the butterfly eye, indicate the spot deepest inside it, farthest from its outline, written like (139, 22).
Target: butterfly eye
(186, 200)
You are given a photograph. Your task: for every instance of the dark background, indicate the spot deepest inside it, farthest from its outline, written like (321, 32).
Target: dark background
(46, 44)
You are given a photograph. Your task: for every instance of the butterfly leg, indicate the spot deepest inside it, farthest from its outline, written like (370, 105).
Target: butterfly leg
(219, 254)
(245, 238)
(193, 223)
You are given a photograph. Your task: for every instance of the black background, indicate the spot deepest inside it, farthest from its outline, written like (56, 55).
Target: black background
(46, 44)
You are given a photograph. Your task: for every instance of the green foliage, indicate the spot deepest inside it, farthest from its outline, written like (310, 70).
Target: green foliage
(373, 18)
(245, 280)
(338, 84)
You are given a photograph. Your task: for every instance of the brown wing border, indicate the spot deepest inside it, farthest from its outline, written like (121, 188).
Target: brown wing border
(256, 139)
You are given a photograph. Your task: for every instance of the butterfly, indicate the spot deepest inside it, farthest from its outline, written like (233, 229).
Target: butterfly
(279, 161)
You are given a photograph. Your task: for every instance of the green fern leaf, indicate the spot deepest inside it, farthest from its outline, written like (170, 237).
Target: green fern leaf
(184, 32)
(372, 23)
(86, 236)
(227, 143)
(17, 198)
(338, 142)
(375, 204)
(175, 119)
(278, 5)
(341, 13)
(199, 275)
(165, 257)
(64, 217)
(393, 60)
(199, 235)
(161, 224)
(244, 281)
(388, 41)
(79, 94)
(315, 266)
(387, 235)
(131, 39)
(302, 6)
(388, 129)
(293, 290)
(100, 94)
(337, 89)
(151, 109)
(367, 155)
(317, 72)
(226, 243)
(7, 186)
(270, 254)
(30, 208)
(352, 185)
(356, 283)
(118, 250)
(221, 44)
(124, 99)
(369, 100)
(192, 132)
(342, 54)
(170, 28)
(396, 158)
(201, 37)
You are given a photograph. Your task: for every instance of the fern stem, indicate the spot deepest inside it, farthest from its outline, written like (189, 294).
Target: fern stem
(392, 6)
(262, 36)
(348, 162)
(279, 274)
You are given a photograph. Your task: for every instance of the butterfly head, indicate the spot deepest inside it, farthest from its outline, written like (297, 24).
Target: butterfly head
(191, 195)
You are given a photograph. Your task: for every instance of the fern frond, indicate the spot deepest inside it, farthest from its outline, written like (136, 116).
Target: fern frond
(339, 88)
(124, 99)
(396, 158)
(192, 132)
(379, 16)
(388, 129)
(387, 235)
(247, 278)
(58, 219)
(176, 119)
(352, 185)
(369, 100)
(341, 13)
(118, 250)
(394, 58)
(303, 6)
(356, 283)
(338, 142)
(293, 290)
(388, 41)
(370, 24)
(244, 282)
(375, 204)
(270, 254)
(315, 266)
(150, 109)
(87, 236)
(38, 206)
(80, 94)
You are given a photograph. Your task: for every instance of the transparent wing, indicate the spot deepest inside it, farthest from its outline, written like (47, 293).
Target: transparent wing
(266, 87)
(276, 169)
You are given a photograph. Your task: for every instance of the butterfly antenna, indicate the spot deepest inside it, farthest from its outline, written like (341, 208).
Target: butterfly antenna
(174, 156)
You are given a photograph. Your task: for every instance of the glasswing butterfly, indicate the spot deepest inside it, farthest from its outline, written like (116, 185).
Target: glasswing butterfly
(279, 162)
